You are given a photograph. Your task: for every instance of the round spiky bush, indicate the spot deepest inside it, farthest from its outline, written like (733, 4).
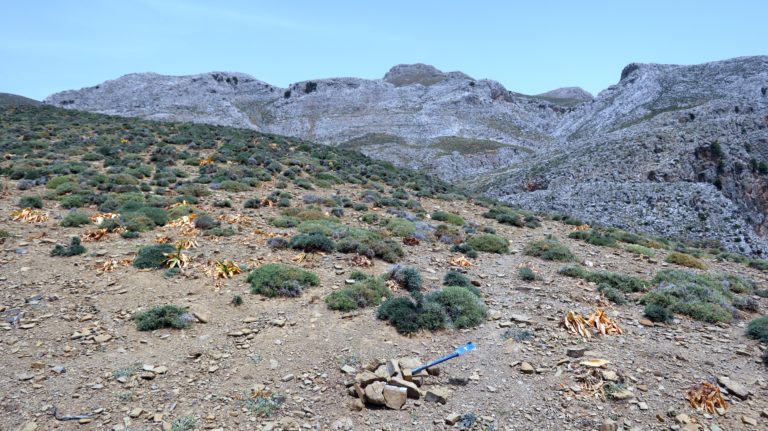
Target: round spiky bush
(462, 306)
(455, 278)
(275, 279)
(153, 256)
(489, 243)
(167, 316)
(314, 242)
(758, 329)
(407, 277)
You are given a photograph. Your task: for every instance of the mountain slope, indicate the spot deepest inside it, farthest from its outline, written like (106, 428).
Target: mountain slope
(686, 144)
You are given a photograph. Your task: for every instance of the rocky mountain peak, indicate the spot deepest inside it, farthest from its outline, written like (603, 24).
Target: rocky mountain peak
(568, 93)
(419, 73)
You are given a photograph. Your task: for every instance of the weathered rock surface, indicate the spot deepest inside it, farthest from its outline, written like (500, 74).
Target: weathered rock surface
(669, 150)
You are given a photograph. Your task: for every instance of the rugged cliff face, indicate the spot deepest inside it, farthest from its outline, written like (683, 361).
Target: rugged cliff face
(674, 150)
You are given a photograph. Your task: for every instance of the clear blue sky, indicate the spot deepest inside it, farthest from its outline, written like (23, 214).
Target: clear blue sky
(530, 47)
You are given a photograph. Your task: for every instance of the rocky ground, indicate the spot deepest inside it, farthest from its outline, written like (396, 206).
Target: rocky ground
(72, 358)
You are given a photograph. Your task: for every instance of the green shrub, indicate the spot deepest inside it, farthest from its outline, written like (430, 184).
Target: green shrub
(221, 231)
(281, 280)
(75, 219)
(758, 329)
(364, 293)
(763, 293)
(167, 316)
(746, 304)
(738, 284)
(285, 222)
(549, 249)
(31, 202)
(699, 296)
(205, 222)
(639, 249)
(237, 300)
(489, 243)
(195, 190)
(621, 282)
(526, 274)
(454, 278)
(613, 294)
(400, 227)
(447, 217)
(314, 242)
(759, 264)
(252, 203)
(407, 277)
(401, 313)
(72, 201)
(73, 249)
(463, 307)
(234, 186)
(466, 250)
(370, 218)
(514, 217)
(594, 237)
(658, 312)
(684, 259)
(153, 256)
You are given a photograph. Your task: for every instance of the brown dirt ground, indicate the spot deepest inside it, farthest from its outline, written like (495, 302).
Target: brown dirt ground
(208, 370)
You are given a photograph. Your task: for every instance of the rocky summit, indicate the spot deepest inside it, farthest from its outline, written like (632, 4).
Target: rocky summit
(669, 150)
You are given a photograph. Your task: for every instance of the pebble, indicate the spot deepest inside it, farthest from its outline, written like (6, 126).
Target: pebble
(749, 421)
(287, 377)
(527, 368)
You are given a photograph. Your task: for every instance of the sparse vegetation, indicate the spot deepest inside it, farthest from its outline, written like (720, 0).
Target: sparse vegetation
(620, 282)
(407, 277)
(447, 217)
(489, 243)
(549, 249)
(166, 316)
(153, 256)
(514, 217)
(281, 280)
(526, 274)
(758, 329)
(75, 219)
(73, 249)
(367, 291)
(684, 259)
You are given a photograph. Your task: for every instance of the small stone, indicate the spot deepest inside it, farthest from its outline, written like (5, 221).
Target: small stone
(438, 394)
(494, 314)
(393, 367)
(287, 377)
(413, 390)
(278, 322)
(642, 405)
(611, 376)
(161, 370)
(85, 421)
(102, 338)
(348, 369)
(394, 397)
(59, 369)
(575, 352)
(357, 405)
(608, 425)
(733, 387)
(147, 375)
(749, 421)
(366, 378)
(622, 394)
(202, 316)
(646, 322)
(452, 419)
(527, 368)
(520, 318)
(683, 418)
(135, 413)
(29, 426)
(410, 363)
(25, 376)
(374, 393)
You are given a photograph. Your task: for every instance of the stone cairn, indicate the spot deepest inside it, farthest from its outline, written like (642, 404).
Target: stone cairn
(391, 383)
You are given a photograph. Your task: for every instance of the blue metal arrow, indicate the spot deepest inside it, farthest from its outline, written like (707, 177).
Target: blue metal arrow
(460, 351)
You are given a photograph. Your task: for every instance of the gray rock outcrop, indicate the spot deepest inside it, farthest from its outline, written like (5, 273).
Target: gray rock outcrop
(670, 150)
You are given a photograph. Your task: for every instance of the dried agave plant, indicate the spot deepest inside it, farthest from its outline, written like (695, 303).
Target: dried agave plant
(603, 323)
(163, 239)
(392, 285)
(460, 261)
(235, 219)
(30, 215)
(99, 218)
(177, 259)
(582, 227)
(706, 396)
(107, 266)
(207, 161)
(360, 260)
(95, 235)
(410, 240)
(576, 324)
(301, 257)
(186, 243)
(225, 269)
(592, 383)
